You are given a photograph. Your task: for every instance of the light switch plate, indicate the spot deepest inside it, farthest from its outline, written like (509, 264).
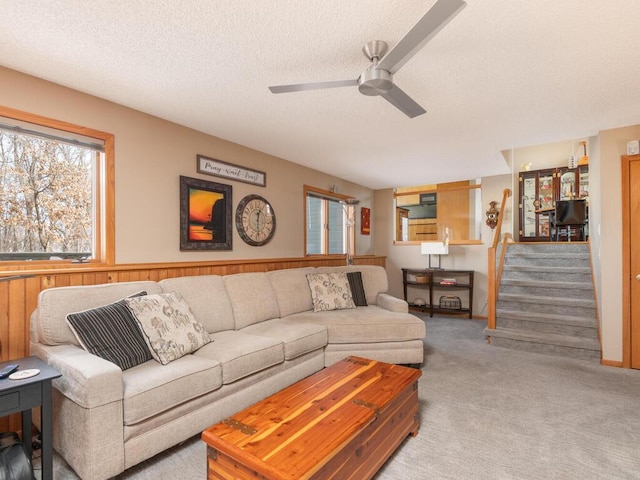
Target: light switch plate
(633, 147)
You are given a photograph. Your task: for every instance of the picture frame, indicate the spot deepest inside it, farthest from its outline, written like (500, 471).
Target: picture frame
(205, 215)
(218, 168)
(365, 221)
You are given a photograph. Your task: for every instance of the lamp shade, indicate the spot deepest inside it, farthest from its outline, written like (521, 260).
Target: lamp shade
(434, 248)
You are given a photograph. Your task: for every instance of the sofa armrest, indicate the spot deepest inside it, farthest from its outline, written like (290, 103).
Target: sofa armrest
(87, 380)
(391, 303)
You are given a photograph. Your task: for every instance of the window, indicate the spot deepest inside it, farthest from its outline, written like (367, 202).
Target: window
(326, 231)
(54, 199)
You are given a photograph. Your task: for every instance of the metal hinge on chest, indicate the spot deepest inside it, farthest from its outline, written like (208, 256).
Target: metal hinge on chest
(372, 406)
(236, 425)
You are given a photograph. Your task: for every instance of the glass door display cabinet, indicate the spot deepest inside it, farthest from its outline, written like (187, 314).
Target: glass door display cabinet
(537, 198)
(539, 191)
(573, 183)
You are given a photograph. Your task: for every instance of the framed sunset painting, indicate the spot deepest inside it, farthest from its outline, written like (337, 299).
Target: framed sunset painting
(205, 215)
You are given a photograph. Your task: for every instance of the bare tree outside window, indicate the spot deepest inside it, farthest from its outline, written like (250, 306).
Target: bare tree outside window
(46, 198)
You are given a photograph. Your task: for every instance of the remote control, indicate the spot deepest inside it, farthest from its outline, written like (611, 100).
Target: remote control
(8, 370)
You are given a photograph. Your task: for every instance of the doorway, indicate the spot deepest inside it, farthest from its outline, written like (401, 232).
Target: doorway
(631, 260)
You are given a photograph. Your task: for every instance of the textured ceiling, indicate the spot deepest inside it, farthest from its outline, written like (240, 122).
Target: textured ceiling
(503, 74)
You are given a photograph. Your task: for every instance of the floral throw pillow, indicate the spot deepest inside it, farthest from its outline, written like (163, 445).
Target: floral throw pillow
(168, 325)
(330, 291)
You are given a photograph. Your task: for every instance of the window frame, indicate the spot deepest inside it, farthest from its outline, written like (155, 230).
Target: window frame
(104, 208)
(436, 188)
(329, 195)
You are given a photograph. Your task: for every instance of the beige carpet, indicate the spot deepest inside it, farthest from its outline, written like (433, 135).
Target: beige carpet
(491, 413)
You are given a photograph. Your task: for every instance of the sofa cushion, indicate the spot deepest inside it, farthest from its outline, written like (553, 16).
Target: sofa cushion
(207, 298)
(292, 289)
(168, 325)
(150, 388)
(298, 337)
(242, 354)
(111, 332)
(357, 288)
(54, 304)
(252, 298)
(374, 278)
(330, 291)
(366, 325)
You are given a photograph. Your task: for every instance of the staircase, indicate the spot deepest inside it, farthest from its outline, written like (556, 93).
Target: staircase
(546, 302)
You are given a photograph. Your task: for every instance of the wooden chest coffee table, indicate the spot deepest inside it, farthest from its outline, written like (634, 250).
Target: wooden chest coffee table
(340, 423)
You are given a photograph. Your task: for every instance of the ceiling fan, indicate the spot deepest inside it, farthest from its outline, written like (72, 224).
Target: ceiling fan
(378, 78)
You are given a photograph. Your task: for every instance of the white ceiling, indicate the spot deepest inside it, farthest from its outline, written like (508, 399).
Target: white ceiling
(503, 74)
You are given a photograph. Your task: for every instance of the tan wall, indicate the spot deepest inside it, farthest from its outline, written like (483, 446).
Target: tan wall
(152, 153)
(549, 155)
(613, 144)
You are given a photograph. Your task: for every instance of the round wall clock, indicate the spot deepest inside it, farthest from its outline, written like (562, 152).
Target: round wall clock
(255, 220)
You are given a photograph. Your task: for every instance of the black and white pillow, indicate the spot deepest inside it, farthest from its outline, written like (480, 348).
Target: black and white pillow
(111, 332)
(330, 291)
(169, 327)
(357, 288)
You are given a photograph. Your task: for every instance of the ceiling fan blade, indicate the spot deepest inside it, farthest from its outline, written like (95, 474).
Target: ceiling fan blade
(299, 87)
(431, 23)
(403, 102)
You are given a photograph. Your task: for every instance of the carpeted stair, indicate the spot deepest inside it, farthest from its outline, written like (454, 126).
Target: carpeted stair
(546, 301)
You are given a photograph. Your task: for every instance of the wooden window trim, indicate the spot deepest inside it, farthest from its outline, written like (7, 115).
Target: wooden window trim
(434, 190)
(104, 202)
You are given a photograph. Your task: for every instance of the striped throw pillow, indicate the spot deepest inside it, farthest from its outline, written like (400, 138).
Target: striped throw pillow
(111, 332)
(357, 288)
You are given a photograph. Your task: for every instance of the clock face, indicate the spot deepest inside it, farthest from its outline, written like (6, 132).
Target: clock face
(255, 220)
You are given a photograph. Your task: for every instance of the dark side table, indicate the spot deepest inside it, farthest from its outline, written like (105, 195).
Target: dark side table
(23, 395)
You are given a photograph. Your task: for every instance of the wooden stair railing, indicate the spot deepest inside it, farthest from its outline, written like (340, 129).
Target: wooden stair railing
(493, 277)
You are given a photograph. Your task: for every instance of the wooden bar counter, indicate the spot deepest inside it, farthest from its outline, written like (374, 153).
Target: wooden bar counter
(340, 423)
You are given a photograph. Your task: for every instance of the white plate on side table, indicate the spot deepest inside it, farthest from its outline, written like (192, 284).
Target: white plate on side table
(23, 374)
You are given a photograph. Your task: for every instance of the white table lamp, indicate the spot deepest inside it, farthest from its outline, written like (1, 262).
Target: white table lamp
(434, 248)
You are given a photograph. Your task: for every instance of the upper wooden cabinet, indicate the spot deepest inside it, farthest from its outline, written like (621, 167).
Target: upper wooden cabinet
(538, 192)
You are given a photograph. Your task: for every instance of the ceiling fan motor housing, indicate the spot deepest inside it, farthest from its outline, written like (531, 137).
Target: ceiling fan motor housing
(375, 82)
(372, 81)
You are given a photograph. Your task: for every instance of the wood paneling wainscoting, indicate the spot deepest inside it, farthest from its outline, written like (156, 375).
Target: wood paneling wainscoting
(19, 292)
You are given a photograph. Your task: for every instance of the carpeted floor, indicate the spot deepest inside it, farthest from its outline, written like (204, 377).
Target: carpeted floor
(490, 413)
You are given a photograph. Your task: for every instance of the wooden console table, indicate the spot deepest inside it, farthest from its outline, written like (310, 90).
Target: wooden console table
(441, 281)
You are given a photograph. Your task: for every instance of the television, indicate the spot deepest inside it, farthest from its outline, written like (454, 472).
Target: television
(571, 212)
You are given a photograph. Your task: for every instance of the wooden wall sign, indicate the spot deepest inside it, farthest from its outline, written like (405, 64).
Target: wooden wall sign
(218, 168)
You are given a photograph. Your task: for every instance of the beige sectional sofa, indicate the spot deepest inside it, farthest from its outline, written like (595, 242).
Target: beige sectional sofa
(265, 336)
